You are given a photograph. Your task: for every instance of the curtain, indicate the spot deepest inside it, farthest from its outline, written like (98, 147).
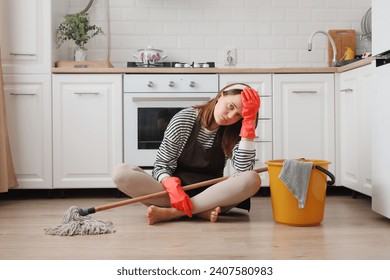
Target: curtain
(7, 173)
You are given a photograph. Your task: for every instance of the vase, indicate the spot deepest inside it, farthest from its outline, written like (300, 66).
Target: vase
(80, 54)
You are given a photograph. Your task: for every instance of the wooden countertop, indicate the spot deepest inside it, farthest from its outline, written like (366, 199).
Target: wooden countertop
(289, 70)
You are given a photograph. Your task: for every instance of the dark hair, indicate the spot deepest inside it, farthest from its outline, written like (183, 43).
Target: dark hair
(231, 133)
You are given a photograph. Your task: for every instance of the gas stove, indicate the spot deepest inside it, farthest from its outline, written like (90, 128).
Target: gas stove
(133, 64)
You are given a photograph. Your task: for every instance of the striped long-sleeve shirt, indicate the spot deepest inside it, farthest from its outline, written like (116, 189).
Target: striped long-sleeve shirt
(176, 136)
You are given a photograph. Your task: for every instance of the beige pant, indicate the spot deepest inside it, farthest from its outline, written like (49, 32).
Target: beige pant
(135, 182)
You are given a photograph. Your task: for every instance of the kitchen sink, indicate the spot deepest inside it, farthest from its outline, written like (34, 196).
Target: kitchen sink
(346, 62)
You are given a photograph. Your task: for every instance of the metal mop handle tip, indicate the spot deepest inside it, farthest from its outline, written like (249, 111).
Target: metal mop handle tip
(86, 212)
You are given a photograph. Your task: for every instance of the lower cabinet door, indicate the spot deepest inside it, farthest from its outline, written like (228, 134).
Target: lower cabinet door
(87, 129)
(28, 107)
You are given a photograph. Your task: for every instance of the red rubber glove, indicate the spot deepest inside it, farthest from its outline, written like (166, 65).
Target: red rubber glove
(179, 199)
(250, 106)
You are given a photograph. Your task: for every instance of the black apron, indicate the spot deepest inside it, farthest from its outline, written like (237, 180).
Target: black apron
(197, 164)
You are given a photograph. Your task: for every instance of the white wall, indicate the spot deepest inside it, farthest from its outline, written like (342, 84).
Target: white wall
(266, 33)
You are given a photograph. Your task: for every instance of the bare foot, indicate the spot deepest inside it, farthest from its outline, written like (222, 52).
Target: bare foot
(211, 215)
(157, 214)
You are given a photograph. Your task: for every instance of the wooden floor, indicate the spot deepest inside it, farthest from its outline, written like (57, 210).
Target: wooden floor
(350, 230)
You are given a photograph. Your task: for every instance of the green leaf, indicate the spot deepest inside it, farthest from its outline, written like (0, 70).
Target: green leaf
(76, 28)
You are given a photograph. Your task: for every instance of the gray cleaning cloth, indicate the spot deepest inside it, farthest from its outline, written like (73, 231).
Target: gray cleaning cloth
(296, 176)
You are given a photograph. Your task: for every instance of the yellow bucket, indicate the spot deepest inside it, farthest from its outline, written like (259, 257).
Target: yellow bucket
(285, 204)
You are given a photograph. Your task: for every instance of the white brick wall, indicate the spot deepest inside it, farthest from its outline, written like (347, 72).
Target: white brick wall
(266, 33)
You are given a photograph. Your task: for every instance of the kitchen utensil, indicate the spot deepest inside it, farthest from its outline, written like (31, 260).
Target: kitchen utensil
(150, 55)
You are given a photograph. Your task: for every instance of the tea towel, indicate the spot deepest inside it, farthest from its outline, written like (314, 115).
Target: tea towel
(296, 176)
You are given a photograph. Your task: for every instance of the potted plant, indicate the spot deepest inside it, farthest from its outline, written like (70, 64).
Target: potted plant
(76, 27)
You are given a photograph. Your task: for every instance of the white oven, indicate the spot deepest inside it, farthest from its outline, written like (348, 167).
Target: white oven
(150, 101)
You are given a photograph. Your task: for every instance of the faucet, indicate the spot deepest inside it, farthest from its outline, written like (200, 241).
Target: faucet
(334, 60)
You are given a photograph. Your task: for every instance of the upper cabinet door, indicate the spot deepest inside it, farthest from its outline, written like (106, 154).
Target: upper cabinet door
(25, 36)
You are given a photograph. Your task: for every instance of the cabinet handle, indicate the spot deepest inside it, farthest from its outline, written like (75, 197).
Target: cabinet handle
(22, 54)
(192, 84)
(81, 93)
(304, 91)
(346, 90)
(171, 84)
(150, 84)
(15, 93)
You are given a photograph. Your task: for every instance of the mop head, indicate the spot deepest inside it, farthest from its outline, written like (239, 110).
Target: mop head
(75, 224)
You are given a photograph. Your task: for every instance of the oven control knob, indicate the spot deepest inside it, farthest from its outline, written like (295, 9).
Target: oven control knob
(171, 83)
(192, 84)
(177, 65)
(150, 84)
(186, 65)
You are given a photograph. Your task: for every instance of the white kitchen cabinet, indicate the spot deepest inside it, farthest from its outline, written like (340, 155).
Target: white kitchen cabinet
(28, 106)
(26, 45)
(263, 84)
(87, 129)
(354, 100)
(26, 56)
(303, 117)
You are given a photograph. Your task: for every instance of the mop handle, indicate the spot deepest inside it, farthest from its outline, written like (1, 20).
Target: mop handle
(85, 212)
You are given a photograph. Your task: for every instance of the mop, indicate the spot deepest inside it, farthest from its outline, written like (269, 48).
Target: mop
(77, 221)
(75, 224)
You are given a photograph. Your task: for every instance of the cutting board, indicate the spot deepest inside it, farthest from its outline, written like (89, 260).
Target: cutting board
(343, 38)
(83, 64)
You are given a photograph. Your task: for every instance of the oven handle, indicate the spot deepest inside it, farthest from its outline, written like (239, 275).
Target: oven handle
(162, 99)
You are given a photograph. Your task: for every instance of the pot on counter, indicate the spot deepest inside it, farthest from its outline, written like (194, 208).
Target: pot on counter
(149, 55)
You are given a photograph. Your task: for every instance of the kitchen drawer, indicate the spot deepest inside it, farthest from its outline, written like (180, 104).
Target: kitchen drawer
(151, 83)
(264, 131)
